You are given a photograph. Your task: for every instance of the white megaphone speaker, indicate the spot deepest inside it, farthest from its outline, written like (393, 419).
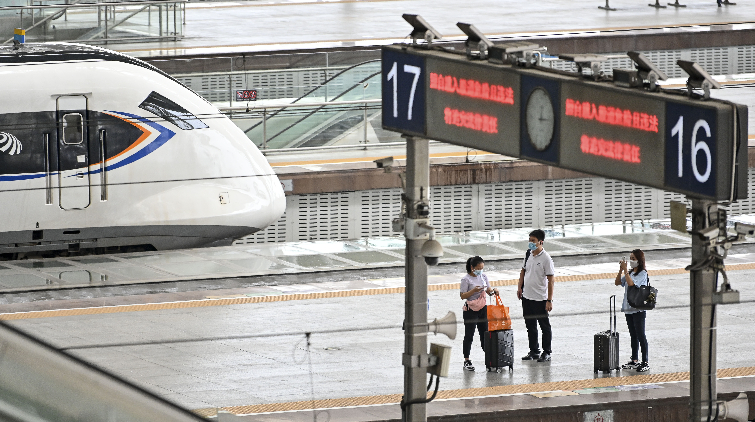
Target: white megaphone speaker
(445, 325)
(737, 409)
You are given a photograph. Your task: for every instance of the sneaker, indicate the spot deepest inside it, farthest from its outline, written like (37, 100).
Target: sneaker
(468, 365)
(531, 356)
(643, 367)
(545, 357)
(630, 365)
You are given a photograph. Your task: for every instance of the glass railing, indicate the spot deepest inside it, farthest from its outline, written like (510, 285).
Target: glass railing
(96, 23)
(341, 111)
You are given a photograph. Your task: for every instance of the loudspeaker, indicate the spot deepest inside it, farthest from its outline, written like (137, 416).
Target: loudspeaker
(737, 409)
(445, 325)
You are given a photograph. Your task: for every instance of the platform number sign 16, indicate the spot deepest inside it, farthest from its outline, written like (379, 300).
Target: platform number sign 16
(403, 82)
(691, 149)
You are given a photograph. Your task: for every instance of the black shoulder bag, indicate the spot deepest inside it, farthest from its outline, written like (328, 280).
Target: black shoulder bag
(642, 297)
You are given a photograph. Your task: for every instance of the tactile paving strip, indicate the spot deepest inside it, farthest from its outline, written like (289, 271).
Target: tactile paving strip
(475, 392)
(305, 296)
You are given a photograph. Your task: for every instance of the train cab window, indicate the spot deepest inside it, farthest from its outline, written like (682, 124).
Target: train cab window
(73, 129)
(172, 112)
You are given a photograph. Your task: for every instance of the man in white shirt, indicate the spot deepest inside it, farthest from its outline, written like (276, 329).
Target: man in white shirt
(536, 292)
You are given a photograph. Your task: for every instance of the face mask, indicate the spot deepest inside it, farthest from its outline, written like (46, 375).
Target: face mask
(532, 246)
(633, 263)
(477, 272)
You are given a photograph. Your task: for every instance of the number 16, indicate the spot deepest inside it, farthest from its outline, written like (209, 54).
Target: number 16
(696, 147)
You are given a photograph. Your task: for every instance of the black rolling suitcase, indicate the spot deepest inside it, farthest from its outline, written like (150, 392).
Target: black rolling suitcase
(607, 343)
(499, 350)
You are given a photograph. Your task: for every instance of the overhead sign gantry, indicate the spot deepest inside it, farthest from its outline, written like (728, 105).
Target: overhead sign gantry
(496, 98)
(660, 139)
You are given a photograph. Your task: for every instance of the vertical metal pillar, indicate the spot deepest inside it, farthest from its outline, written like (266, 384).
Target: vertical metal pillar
(364, 121)
(264, 128)
(230, 86)
(175, 26)
(415, 302)
(702, 320)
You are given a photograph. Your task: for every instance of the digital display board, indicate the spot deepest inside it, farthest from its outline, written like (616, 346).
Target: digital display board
(607, 132)
(473, 104)
(659, 139)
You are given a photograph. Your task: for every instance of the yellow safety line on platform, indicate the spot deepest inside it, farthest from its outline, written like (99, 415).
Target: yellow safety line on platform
(475, 392)
(368, 159)
(201, 303)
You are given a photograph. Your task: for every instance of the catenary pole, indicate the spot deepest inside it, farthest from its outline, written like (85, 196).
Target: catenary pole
(702, 318)
(415, 302)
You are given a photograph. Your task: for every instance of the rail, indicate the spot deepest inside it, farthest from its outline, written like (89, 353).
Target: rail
(266, 110)
(96, 22)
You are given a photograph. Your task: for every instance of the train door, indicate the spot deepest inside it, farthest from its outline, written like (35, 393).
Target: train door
(73, 152)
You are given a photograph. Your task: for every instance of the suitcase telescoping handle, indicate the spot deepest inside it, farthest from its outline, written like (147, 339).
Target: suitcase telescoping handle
(612, 310)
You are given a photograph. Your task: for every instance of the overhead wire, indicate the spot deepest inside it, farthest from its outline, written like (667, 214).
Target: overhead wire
(330, 331)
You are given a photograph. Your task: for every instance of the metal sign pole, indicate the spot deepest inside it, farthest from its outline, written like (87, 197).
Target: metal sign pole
(415, 359)
(702, 317)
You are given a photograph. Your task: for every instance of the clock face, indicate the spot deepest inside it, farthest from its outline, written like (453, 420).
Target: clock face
(540, 119)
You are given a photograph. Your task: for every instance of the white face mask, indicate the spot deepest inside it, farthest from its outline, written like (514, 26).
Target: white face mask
(633, 263)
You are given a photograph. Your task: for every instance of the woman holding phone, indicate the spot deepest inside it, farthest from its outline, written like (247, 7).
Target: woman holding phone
(636, 275)
(475, 308)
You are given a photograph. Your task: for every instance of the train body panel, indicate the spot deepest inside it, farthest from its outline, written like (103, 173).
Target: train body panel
(96, 140)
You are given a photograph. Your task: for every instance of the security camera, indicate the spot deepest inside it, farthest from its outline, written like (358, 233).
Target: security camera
(744, 229)
(385, 163)
(431, 251)
(709, 232)
(423, 210)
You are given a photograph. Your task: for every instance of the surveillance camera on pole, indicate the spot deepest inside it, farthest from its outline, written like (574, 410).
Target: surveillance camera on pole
(432, 251)
(418, 229)
(385, 163)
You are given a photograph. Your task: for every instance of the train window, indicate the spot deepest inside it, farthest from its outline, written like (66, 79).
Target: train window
(172, 112)
(73, 129)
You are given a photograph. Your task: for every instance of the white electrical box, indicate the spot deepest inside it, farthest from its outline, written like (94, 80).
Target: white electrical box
(443, 355)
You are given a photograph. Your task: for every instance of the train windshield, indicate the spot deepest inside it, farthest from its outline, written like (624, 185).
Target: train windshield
(172, 112)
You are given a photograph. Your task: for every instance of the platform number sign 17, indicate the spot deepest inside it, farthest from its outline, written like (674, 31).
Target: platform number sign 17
(691, 149)
(403, 82)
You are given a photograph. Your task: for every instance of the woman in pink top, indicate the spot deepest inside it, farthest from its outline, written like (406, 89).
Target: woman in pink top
(475, 310)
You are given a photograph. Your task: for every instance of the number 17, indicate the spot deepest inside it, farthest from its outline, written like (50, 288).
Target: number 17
(392, 75)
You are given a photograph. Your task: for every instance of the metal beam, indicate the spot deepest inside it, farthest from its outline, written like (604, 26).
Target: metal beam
(415, 303)
(702, 318)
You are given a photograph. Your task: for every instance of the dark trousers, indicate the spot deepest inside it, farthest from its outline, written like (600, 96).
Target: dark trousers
(535, 313)
(636, 325)
(472, 320)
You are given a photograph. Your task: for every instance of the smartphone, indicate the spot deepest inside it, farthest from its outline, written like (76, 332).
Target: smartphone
(624, 259)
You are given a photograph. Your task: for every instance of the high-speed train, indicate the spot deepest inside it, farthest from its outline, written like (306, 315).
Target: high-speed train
(102, 152)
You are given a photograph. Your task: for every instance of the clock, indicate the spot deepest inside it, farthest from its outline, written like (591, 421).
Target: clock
(540, 118)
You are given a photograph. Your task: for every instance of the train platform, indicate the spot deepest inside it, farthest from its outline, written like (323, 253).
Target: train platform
(213, 28)
(243, 347)
(249, 260)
